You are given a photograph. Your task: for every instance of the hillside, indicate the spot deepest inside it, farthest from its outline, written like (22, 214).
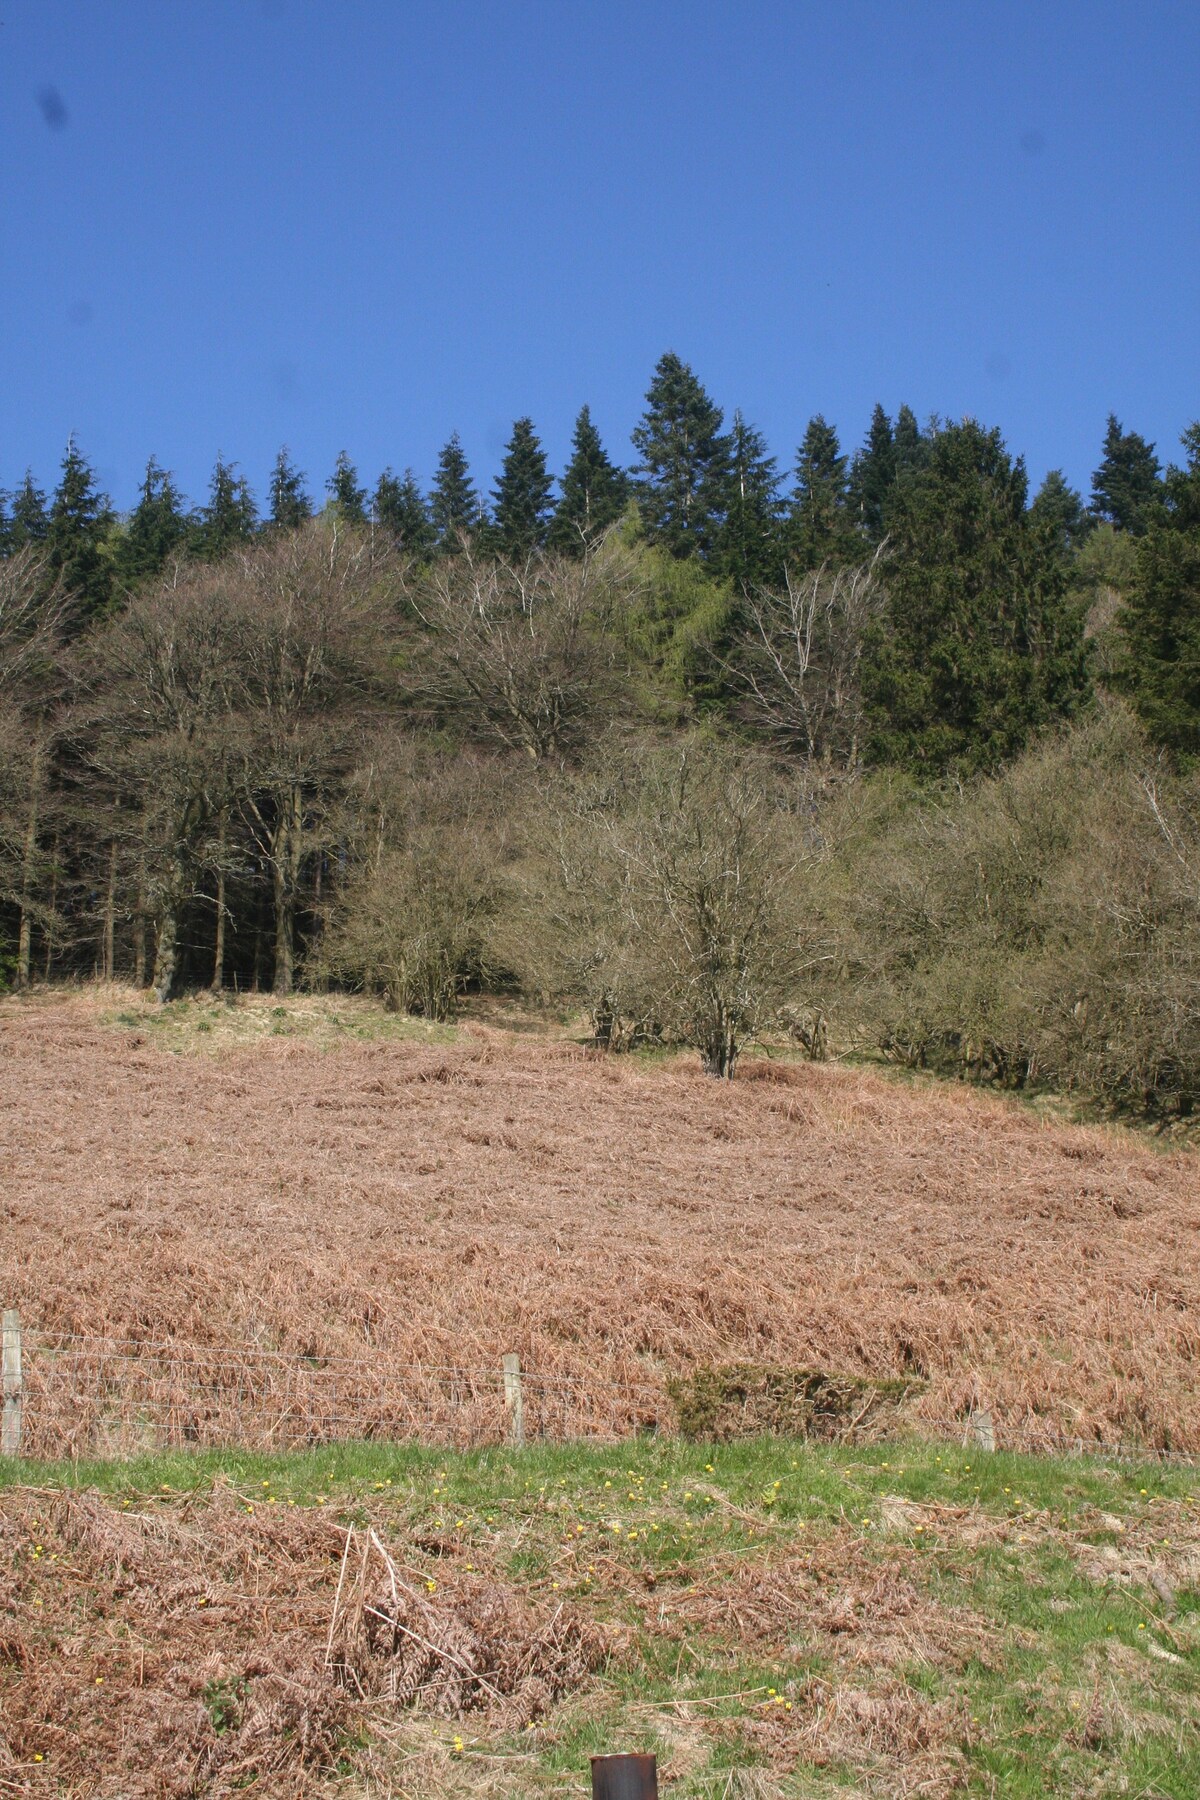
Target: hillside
(326, 1195)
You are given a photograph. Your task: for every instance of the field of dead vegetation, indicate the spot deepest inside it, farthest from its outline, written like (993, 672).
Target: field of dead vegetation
(386, 1211)
(774, 1620)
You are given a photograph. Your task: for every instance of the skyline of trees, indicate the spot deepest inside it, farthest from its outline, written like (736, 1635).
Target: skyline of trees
(701, 489)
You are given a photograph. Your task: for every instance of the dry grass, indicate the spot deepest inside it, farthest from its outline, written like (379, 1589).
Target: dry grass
(397, 1203)
(201, 1648)
(857, 1610)
(479, 1628)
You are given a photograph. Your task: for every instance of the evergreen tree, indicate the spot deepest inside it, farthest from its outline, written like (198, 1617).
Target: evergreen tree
(1126, 488)
(157, 526)
(911, 446)
(684, 468)
(819, 527)
(1183, 485)
(594, 492)
(872, 477)
(454, 505)
(521, 514)
(28, 521)
(290, 504)
(1059, 511)
(1161, 617)
(348, 499)
(981, 642)
(749, 546)
(79, 523)
(230, 517)
(399, 509)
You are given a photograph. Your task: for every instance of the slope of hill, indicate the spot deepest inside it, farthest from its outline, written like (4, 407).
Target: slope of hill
(398, 1203)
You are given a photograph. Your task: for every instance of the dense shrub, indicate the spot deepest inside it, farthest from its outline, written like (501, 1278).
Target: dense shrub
(1038, 927)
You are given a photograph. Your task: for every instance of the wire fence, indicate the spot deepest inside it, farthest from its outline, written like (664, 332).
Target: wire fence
(94, 1396)
(73, 1396)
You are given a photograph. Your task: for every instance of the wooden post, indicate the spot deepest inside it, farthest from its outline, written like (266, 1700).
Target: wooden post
(982, 1428)
(514, 1404)
(10, 1427)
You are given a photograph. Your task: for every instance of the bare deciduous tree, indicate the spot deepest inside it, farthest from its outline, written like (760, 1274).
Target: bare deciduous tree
(797, 664)
(310, 652)
(155, 723)
(426, 835)
(521, 653)
(666, 892)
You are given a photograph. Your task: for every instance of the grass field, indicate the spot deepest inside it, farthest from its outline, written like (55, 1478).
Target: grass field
(772, 1620)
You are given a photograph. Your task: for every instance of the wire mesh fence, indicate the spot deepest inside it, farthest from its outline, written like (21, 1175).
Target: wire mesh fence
(68, 1396)
(112, 1397)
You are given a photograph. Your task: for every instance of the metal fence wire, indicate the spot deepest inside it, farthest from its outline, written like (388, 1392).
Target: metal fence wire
(71, 1396)
(112, 1397)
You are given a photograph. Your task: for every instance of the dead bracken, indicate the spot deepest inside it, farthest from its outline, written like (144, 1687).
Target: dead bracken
(382, 1222)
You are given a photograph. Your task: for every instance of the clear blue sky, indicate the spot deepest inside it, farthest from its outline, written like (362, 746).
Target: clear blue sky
(360, 224)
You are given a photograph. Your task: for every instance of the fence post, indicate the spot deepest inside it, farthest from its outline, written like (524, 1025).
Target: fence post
(514, 1404)
(632, 1777)
(982, 1427)
(10, 1427)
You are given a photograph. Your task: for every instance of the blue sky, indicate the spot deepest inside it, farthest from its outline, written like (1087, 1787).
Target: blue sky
(361, 224)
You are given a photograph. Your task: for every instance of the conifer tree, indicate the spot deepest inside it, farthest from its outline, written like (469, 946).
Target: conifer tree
(290, 504)
(157, 526)
(349, 501)
(819, 526)
(872, 476)
(1126, 488)
(1161, 616)
(1059, 511)
(684, 469)
(399, 509)
(28, 521)
(521, 513)
(594, 492)
(981, 642)
(229, 517)
(79, 522)
(454, 505)
(749, 547)
(910, 444)
(1183, 485)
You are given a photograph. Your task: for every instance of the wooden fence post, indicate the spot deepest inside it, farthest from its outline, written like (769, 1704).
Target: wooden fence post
(10, 1356)
(514, 1404)
(981, 1427)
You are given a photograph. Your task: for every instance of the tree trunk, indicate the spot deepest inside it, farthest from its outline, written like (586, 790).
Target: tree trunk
(720, 1050)
(110, 915)
(139, 926)
(29, 874)
(285, 872)
(166, 951)
(218, 974)
(166, 944)
(317, 963)
(52, 906)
